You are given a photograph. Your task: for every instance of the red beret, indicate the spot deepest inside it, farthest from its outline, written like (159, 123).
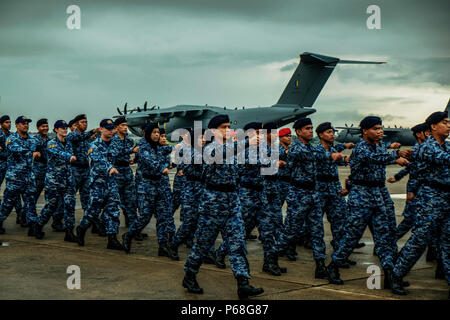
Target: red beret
(283, 132)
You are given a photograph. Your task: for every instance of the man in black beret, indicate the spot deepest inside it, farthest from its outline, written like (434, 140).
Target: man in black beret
(81, 140)
(72, 125)
(432, 201)
(369, 199)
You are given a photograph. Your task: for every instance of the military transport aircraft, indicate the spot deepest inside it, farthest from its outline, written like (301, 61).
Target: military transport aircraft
(402, 135)
(295, 102)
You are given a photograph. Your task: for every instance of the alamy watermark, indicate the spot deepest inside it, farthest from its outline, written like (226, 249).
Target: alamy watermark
(74, 280)
(374, 280)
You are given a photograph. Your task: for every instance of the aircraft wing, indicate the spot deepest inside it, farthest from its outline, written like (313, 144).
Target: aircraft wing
(165, 114)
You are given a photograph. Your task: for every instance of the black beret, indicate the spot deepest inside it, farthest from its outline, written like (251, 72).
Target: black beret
(300, 123)
(71, 122)
(40, 122)
(420, 128)
(324, 127)
(162, 130)
(270, 126)
(120, 120)
(436, 117)
(107, 124)
(4, 118)
(79, 117)
(370, 121)
(253, 125)
(218, 120)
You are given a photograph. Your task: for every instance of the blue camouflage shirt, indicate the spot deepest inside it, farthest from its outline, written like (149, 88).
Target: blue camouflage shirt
(124, 148)
(328, 168)
(40, 145)
(80, 143)
(59, 170)
(20, 160)
(103, 156)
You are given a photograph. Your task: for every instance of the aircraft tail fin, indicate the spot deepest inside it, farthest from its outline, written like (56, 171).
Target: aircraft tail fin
(310, 77)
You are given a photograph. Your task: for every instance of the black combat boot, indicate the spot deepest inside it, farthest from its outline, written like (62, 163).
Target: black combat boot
(220, 260)
(2, 230)
(360, 245)
(38, 233)
(290, 252)
(439, 270)
(189, 243)
(113, 243)
(127, 220)
(270, 267)
(18, 218)
(24, 223)
(190, 283)
(163, 250)
(431, 254)
(333, 274)
(275, 261)
(250, 236)
(144, 235)
(81, 233)
(95, 228)
(126, 241)
(70, 236)
(308, 244)
(342, 264)
(321, 270)
(210, 258)
(138, 237)
(31, 230)
(350, 262)
(397, 285)
(245, 290)
(387, 278)
(57, 225)
(173, 251)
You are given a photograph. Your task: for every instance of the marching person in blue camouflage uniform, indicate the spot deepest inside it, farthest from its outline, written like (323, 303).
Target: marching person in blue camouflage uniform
(152, 164)
(5, 133)
(167, 192)
(432, 204)
(20, 179)
(421, 133)
(104, 193)
(59, 183)
(369, 199)
(192, 167)
(330, 189)
(124, 147)
(81, 140)
(220, 210)
(303, 198)
(179, 179)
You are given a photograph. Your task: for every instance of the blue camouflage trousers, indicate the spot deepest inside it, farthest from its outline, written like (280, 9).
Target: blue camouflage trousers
(151, 203)
(433, 212)
(12, 195)
(253, 202)
(168, 212)
(303, 205)
(283, 188)
(193, 191)
(81, 176)
(127, 192)
(18, 203)
(103, 196)
(178, 186)
(59, 197)
(369, 206)
(335, 208)
(220, 212)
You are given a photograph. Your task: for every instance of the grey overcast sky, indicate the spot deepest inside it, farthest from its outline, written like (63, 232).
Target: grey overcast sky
(223, 53)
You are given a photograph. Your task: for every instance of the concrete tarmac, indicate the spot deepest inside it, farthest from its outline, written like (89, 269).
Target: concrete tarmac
(37, 269)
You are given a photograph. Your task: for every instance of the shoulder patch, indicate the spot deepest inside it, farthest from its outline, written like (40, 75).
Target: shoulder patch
(8, 141)
(51, 146)
(90, 150)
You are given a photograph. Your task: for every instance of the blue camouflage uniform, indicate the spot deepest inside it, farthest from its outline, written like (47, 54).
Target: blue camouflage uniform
(4, 164)
(80, 143)
(103, 188)
(59, 183)
(178, 187)
(167, 195)
(193, 190)
(432, 207)
(20, 180)
(40, 164)
(303, 201)
(329, 187)
(125, 177)
(369, 201)
(220, 210)
(151, 163)
(284, 177)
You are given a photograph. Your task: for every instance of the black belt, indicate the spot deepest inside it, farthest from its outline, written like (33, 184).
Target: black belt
(323, 178)
(41, 160)
(373, 184)
(3, 158)
(80, 165)
(151, 176)
(122, 164)
(190, 178)
(304, 185)
(437, 185)
(284, 178)
(252, 186)
(271, 177)
(221, 187)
